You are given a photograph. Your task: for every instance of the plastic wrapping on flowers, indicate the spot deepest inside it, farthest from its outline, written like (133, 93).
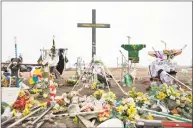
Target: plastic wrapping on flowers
(23, 104)
(5, 80)
(124, 109)
(179, 102)
(95, 85)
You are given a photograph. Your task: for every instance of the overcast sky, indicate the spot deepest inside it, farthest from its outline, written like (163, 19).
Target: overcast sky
(35, 23)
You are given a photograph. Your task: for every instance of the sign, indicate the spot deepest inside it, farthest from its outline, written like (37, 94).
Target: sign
(9, 95)
(93, 25)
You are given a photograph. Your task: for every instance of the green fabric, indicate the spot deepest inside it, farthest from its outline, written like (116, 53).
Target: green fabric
(134, 59)
(133, 51)
(133, 47)
(128, 80)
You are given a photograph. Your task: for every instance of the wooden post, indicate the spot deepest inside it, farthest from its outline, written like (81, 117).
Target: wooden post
(128, 53)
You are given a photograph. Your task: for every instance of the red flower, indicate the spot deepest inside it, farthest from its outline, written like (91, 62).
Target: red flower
(19, 104)
(52, 87)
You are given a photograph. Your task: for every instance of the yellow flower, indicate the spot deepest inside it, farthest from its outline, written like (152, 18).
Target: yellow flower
(176, 94)
(183, 98)
(14, 112)
(45, 95)
(120, 109)
(28, 105)
(145, 98)
(43, 105)
(133, 93)
(98, 94)
(93, 86)
(150, 117)
(37, 71)
(172, 90)
(161, 96)
(188, 99)
(139, 93)
(131, 110)
(26, 111)
(178, 102)
(21, 93)
(75, 120)
(34, 90)
(132, 117)
(101, 91)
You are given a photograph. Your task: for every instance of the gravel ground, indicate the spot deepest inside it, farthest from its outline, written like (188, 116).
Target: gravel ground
(140, 86)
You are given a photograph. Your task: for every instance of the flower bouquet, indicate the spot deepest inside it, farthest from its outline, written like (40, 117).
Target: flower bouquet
(139, 98)
(127, 110)
(23, 104)
(98, 94)
(73, 79)
(4, 81)
(95, 85)
(71, 82)
(109, 97)
(106, 114)
(178, 102)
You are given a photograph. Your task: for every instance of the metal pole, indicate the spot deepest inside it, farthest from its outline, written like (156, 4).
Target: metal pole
(122, 69)
(128, 51)
(164, 43)
(15, 39)
(20, 120)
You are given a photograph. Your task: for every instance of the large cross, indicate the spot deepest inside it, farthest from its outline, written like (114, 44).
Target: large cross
(93, 25)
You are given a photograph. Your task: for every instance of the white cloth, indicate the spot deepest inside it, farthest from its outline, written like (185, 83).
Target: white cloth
(165, 78)
(48, 59)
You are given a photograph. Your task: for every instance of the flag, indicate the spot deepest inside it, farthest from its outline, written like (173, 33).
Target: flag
(40, 60)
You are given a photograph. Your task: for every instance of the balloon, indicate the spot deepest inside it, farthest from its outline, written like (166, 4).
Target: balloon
(31, 81)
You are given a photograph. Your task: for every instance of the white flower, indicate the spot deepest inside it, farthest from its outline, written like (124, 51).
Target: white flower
(172, 97)
(130, 100)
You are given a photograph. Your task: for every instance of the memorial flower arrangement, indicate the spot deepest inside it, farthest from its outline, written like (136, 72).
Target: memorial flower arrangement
(5, 80)
(106, 114)
(140, 98)
(73, 79)
(95, 85)
(109, 97)
(179, 102)
(38, 81)
(23, 104)
(126, 110)
(98, 94)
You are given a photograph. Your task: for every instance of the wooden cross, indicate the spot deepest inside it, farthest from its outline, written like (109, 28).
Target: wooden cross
(93, 25)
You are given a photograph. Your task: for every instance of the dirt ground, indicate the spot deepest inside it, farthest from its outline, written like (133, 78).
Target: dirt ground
(140, 85)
